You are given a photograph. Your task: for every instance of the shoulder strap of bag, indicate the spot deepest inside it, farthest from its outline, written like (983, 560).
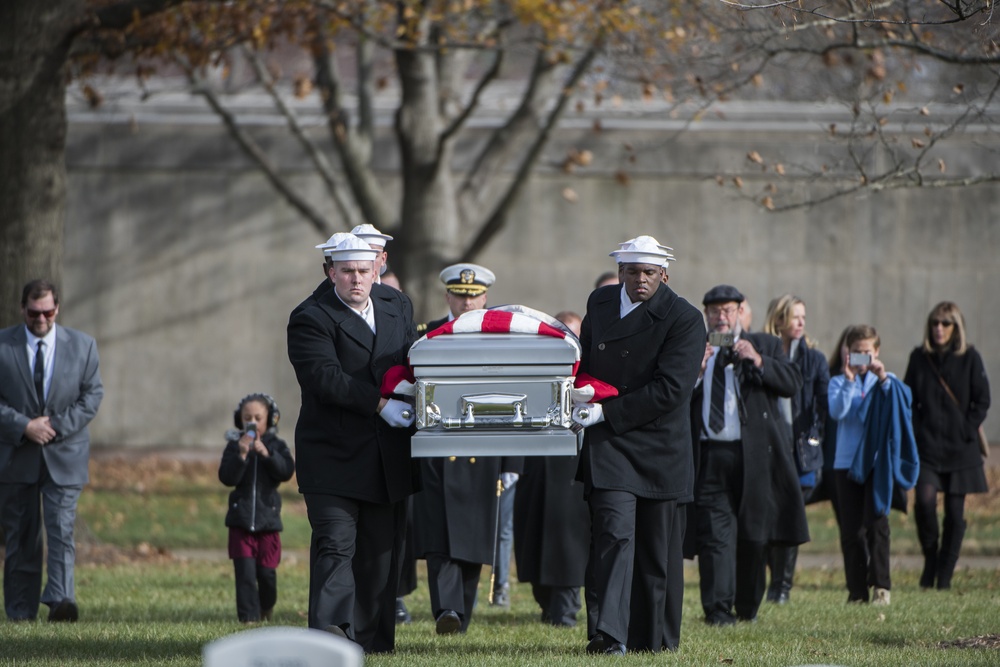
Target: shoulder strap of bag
(941, 380)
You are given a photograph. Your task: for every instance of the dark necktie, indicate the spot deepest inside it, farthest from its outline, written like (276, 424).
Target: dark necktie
(40, 374)
(717, 410)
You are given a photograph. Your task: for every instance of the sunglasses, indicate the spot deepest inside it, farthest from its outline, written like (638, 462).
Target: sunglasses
(35, 314)
(942, 323)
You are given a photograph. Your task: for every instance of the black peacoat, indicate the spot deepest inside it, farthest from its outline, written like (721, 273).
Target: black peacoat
(771, 510)
(551, 523)
(652, 357)
(456, 514)
(342, 446)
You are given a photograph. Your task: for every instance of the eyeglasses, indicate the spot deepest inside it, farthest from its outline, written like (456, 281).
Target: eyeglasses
(942, 323)
(35, 314)
(728, 311)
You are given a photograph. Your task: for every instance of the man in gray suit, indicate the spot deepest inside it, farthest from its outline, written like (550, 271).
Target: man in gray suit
(50, 389)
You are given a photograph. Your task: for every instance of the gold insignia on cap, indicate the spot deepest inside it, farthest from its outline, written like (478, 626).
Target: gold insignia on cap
(468, 276)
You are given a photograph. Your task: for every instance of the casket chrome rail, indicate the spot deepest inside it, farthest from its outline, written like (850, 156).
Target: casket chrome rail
(493, 410)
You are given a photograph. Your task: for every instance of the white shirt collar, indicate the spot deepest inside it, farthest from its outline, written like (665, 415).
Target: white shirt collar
(367, 313)
(627, 306)
(49, 339)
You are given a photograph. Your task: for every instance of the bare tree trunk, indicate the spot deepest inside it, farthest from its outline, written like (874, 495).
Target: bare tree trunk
(428, 210)
(34, 44)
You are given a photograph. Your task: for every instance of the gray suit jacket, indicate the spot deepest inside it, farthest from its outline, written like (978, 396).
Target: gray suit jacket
(75, 394)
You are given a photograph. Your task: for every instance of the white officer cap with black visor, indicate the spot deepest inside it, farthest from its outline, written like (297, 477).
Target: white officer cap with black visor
(467, 279)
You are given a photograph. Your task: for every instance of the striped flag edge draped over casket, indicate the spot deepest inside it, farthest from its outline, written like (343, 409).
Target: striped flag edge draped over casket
(514, 319)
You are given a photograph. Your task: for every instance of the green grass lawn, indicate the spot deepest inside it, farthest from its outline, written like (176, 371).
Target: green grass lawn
(163, 613)
(151, 609)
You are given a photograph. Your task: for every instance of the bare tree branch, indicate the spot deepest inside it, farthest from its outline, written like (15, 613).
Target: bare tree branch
(498, 217)
(254, 152)
(488, 77)
(334, 187)
(352, 148)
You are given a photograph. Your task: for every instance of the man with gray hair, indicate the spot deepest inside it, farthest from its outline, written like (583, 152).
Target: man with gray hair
(636, 463)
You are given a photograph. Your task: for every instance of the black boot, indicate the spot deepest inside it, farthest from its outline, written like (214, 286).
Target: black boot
(930, 569)
(781, 561)
(951, 546)
(789, 575)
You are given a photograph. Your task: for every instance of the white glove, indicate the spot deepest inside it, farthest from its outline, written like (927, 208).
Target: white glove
(595, 414)
(392, 413)
(508, 479)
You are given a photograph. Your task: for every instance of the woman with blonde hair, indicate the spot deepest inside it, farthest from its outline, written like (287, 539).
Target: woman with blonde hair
(806, 413)
(950, 398)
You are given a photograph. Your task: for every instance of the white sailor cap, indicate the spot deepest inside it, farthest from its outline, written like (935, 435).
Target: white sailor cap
(467, 279)
(332, 242)
(644, 250)
(351, 248)
(371, 235)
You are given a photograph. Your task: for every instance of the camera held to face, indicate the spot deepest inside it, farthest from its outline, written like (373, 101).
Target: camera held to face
(250, 429)
(720, 339)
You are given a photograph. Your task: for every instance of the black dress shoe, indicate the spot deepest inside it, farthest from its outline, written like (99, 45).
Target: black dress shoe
(402, 613)
(597, 644)
(615, 649)
(64, 612)
(336, 631)
(720, 618)
(448, 622)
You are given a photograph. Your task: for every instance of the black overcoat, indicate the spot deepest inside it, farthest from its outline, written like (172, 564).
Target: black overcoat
(255, 504)
(771, 510)
(652, 357)
(342, 446)
(456, 513)
(946, 434)
(551, 523)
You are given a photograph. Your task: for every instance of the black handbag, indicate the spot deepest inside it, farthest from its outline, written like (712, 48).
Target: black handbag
(809, 450)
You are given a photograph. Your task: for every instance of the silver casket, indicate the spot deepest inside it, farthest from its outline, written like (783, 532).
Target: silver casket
(494, 394)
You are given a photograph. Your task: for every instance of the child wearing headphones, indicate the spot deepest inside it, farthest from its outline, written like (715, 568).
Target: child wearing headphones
(255, 461)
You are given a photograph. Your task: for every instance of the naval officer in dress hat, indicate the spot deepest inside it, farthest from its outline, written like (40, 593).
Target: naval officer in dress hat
(465, 289)
(455, 516)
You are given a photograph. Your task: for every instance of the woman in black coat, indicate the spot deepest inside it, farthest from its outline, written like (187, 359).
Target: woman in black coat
(786, 319)
(946, 424)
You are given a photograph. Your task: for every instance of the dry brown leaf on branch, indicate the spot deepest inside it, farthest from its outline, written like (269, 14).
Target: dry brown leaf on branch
(767, 203)
(737, 181)
(916, 143)
(924, 111)
(94, 98)
(941, 165)
(754, 156)
(623, 178)
(569, 194)
(780, 168)
(303, 86)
